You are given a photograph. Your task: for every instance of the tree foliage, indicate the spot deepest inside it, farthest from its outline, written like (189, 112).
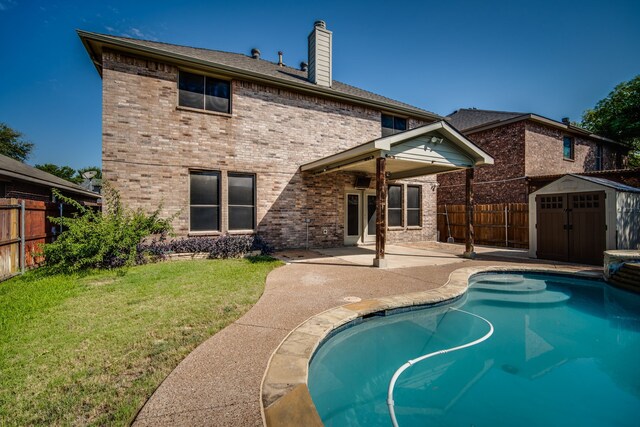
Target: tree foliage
(12, 144)
(64, 172)
(618, 116)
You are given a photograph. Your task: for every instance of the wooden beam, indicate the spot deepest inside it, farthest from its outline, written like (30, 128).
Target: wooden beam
(381, 211)
(468, 187)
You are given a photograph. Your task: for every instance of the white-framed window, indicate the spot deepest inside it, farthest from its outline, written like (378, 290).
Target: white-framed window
(393, 124)
(414, 206)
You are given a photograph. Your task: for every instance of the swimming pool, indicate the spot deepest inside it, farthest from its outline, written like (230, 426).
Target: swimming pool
(562, 351)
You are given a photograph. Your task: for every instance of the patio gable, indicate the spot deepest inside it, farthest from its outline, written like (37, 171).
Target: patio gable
(426, 150)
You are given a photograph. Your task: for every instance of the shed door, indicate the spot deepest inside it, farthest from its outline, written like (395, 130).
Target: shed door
(552, 227)
(587, 227)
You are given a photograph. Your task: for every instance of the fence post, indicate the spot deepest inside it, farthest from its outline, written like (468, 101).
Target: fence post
(506, 225)
(23, 251)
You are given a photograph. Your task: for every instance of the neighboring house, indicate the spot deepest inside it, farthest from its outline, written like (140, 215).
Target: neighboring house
(92, 184)
(524, 146)
(237, 144)
(21, 181)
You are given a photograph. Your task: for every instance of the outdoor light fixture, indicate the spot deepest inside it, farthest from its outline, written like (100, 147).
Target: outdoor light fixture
(436, 140)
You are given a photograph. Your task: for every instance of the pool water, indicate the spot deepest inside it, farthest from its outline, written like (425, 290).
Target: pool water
(564, 351)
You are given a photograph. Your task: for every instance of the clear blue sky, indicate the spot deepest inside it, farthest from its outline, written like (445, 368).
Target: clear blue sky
(554, 58)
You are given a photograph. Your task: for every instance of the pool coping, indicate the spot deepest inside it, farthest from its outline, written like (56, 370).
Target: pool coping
(284, 395)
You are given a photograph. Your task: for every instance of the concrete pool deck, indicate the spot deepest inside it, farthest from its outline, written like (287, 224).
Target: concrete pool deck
(219, 382)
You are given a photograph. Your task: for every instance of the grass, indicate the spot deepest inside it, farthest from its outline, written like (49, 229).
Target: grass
(90, 349)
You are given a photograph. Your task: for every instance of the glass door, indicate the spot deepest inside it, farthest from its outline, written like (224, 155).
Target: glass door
(369, 234)
(352, 229)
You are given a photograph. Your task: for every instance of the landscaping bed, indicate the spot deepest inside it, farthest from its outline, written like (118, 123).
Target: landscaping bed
(91, 348)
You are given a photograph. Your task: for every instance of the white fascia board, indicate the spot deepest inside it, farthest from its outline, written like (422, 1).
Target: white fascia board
(344, 156)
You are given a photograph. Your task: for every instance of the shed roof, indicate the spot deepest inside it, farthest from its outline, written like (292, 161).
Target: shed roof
(17, 170)
(243, 66)
(608, 183)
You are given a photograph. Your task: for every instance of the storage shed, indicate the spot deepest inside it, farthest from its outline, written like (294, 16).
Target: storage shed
(577, 217)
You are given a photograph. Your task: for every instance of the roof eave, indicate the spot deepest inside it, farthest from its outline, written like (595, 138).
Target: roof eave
(86, 37)
(49, 184)
(539, 119)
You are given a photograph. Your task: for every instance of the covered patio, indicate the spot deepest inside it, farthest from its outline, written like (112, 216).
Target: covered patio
(426, 150)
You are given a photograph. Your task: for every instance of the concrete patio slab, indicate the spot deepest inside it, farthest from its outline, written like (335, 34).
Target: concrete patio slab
(219, 382)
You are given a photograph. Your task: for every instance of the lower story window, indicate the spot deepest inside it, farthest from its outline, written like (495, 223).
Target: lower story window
(394, 208)
(242, 205)
(414, 203)
(204, 201)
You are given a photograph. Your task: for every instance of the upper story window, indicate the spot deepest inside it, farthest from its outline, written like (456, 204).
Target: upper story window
(599, 157)
(393, 124)
(394, 206)
(568, 148)
(204, 92)
(204, 201)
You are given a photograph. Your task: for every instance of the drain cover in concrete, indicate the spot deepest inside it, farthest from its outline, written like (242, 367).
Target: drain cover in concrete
(352, 299)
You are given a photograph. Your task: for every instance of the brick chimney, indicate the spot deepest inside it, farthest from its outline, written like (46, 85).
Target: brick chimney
(320, 46)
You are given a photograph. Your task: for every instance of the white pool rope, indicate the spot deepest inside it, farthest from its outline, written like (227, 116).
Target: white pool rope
(412, 362)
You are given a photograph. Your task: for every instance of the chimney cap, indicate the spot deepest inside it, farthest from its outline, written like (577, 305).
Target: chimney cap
(304, 66)
(320, 24)
(255, 53)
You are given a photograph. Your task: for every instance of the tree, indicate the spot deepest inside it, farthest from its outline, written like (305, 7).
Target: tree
(64, 172)
(12, 144)
(618, 117)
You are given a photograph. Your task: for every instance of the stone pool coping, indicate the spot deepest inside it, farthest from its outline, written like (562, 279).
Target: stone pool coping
(284, 395)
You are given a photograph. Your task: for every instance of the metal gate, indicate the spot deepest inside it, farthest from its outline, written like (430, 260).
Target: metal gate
(571, 227)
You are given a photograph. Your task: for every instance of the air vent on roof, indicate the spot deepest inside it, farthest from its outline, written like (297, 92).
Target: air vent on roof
(255, 53)
(280, 63)
(303, 66)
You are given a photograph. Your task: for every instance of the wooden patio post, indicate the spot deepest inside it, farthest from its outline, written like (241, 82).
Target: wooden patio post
(381, 211)
(468, 246)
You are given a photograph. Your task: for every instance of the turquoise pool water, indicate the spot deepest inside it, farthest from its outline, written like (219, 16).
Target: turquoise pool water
(564, 351)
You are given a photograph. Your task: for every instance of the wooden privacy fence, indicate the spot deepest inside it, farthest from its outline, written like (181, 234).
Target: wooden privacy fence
(24, 227)
(500, 224)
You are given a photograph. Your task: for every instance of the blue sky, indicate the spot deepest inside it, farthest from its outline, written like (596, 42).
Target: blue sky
(554, 58)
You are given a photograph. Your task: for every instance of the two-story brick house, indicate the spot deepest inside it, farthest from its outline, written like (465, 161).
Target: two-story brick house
(524, 146)
(238, 144)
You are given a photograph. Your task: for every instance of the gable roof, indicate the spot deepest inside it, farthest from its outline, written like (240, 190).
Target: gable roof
(608, 183)
(244, 67)
(17, 170)
(472, 120)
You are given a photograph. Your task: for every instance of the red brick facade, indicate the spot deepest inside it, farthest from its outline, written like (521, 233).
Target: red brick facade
(523, 149)
(150, 145)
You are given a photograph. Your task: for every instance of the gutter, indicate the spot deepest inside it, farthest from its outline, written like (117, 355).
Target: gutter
(242, 74)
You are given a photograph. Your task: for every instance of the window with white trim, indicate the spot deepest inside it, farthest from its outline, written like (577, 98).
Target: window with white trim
(393, 124)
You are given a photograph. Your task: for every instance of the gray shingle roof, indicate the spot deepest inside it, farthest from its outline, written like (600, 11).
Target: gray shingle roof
(240, 62)
(467, 118)
(18, 170)
(608, 183)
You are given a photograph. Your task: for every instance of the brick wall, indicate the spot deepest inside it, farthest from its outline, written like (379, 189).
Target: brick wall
(544, 152)
(506, 145)
(149, 146)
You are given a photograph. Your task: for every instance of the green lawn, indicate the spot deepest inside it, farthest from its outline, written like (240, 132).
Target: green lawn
(90, 349)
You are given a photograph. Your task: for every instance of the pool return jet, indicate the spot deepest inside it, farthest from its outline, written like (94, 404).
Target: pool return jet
(396, 375)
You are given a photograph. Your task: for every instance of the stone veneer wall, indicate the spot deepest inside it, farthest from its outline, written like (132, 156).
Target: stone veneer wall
(150, 145)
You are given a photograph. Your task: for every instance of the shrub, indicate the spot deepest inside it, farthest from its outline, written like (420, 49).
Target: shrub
(93, 239)
(226, 246)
